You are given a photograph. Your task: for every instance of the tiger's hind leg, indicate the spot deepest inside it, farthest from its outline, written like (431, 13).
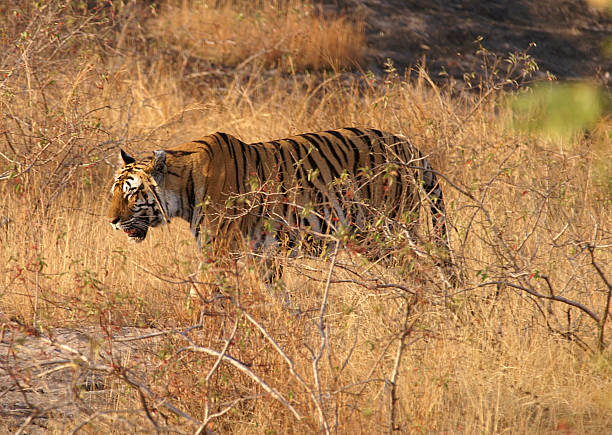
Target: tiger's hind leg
(271, 269)
(272, 276)
(266, 249)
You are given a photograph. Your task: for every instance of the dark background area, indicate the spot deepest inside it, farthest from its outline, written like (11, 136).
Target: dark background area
(569, 35)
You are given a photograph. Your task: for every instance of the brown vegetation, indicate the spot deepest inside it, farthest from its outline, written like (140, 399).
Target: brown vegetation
(520, 346)
(290, 34)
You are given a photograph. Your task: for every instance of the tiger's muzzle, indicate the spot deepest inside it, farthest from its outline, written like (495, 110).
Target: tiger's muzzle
(136, 234)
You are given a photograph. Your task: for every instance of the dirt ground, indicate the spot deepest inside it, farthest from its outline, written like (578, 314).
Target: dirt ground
(65, 373)
(569, 35)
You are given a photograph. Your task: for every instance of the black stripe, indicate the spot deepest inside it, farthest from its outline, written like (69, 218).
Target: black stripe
(286, 161)
(311, 161)
(342, 161)
(286, 157)
(300, 167)
(341, 148)
(378, 133)
(190, 193)
(350, 145)
(243, 155)
(258, 163)
(277, 172)
(366, 139)
(320, 198)
(255, 149)
(382, 142)
(333, 169)
(232, 153)
(356, 131)
(328, 145)
(206, 148)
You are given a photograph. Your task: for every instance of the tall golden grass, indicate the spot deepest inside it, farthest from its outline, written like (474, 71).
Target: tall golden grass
(350, 346)
(291, 35)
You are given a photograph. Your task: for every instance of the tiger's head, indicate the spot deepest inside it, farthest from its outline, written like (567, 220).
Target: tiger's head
(136, 205)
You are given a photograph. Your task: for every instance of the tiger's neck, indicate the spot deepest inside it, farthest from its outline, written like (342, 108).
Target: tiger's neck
(174, 200)
(170, 202)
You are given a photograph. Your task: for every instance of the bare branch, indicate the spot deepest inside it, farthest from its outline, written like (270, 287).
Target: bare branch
(532, 292)
(393, 399)
(606, 312)
(240, 366)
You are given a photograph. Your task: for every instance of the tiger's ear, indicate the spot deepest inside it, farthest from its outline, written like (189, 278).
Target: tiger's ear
(159, 161)
(159, 165)
(127, 159)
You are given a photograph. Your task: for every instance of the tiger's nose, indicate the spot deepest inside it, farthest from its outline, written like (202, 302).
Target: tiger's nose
(114, 221)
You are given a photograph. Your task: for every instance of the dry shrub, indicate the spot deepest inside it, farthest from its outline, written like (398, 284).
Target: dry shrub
(486, 356)
(291, 35)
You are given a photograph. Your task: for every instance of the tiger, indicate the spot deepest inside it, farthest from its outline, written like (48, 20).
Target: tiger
(315, 186)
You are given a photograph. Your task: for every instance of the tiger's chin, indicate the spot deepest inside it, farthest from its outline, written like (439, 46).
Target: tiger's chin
(136, 235)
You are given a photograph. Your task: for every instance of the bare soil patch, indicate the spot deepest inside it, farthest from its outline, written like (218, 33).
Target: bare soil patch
(568, 34)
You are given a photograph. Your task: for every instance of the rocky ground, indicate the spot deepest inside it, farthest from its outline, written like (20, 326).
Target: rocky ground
(68, 374)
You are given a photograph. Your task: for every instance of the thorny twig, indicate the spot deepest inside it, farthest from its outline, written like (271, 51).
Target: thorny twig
(324, 337)
(393, 399)
(606, 312)
(222, 354)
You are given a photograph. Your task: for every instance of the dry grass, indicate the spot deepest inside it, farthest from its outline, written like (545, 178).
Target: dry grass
(291, 35)
(483, 357)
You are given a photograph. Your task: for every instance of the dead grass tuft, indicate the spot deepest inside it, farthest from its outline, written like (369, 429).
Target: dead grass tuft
(291, 35)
